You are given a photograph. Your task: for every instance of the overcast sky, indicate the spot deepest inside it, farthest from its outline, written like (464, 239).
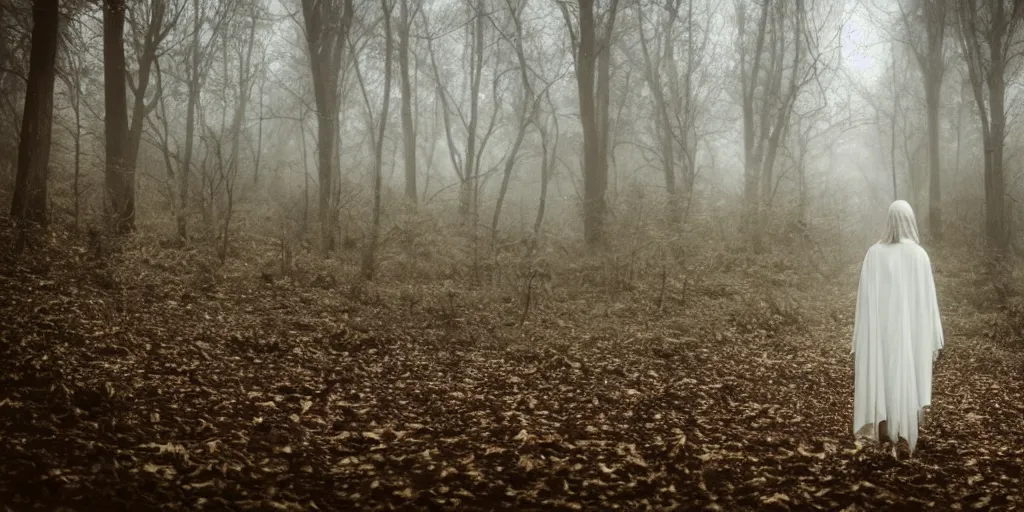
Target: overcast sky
(864, 50)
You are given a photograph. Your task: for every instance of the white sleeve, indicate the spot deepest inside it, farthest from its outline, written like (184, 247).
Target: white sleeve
(933, 308)
(862, 313)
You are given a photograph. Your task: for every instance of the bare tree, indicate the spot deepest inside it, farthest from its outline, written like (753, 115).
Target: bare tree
(895, 113)
(591, 37)
(29, 202)
(161, 17)
(529, 104)
(71, 76)
(925, 24)
(786, 27)
(120, 176)
(369, 261)
(892, 128)
(749, 72)
(408, 126)
(15, 56)
(467, 162)
(327, 23)
(161, 137)
(672, 92)
(988, 31)
(245, 43)
(549, 135)
(197, 69)
(813, 131)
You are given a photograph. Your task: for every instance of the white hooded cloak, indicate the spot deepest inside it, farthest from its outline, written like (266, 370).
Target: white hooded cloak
(897, 332)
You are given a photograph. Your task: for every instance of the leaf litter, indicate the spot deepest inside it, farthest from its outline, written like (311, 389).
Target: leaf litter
(269, 397)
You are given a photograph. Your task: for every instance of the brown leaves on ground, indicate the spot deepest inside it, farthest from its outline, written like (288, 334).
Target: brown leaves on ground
(138, 395)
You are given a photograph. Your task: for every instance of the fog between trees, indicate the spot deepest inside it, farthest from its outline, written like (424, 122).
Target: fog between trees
(512, 117)
(525, 254)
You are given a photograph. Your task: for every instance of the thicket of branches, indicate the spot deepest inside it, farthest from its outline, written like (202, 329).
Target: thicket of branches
(557, 254)
(375, 133)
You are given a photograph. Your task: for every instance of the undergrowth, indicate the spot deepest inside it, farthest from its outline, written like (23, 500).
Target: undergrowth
(701, 286)
(689, 277)
(662, 371)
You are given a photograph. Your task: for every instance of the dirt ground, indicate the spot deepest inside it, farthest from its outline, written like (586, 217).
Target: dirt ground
(123, 391)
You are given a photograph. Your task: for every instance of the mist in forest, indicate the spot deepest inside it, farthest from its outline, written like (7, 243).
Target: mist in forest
(517, 117)
(525, 254)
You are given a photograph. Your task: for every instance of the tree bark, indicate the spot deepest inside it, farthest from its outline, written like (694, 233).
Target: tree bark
(546, 157)
(327, 25)
(662, 123)
(194, 87)
(995, 182)
(469, 184)
(30, 189)
(932, 98)
(119, 177)
(527, 114)
(549, 154)
(930, 60)
(592, 80)
(748, 79)
(781, 124)
(408, 128)
(985, 53)
(892, 131)
(510, 162)
(245, 90)
(156, 31)
(369, 263)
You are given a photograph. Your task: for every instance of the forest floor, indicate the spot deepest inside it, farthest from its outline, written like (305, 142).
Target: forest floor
(126, 386)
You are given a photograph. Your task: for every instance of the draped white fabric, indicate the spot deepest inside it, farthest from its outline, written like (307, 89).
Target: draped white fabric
(897, 332)
(901, 224)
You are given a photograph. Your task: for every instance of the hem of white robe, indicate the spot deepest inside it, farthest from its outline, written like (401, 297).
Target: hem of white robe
(870, 430)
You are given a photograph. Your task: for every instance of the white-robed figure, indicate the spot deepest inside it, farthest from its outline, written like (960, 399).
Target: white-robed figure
(897, 333)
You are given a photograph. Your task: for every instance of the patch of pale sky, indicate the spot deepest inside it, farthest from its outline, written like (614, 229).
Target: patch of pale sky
(864, 49)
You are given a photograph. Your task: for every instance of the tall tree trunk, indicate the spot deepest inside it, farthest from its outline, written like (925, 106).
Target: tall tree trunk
(510, 162)
(469, 184)
(194, 87)
(593, 196)
(780, 124)
(155, 33)
(592, 77)
(749, 79)
(549, 156)
(892, 130)
(30, 188)
(369, 262)
(305, 169)
(545, 172)
(605, 158)
(985, 50)
(245, 89)
(408, 128)
(120, 177)
(259, 140)
(995, 209)
(932, 96)
(959, 127)
(527, 114)
(78, 156)
(689, 135)
(930, 18)
(327, 128)
(661, 121)
(327, 24)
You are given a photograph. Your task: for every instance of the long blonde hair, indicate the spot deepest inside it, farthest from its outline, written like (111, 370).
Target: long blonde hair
(901, 224)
